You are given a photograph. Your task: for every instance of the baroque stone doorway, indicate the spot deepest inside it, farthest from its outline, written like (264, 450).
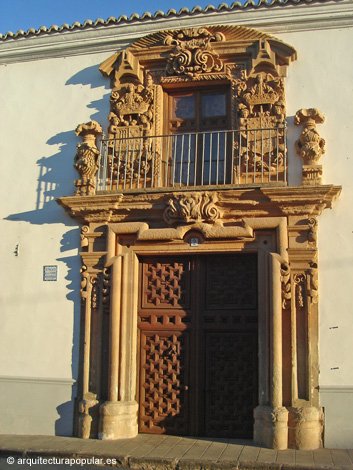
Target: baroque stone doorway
(198, 345)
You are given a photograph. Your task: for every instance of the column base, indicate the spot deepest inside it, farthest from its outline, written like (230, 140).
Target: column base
(118, 420)
(88, 413)
(271, 427)
(305, 426)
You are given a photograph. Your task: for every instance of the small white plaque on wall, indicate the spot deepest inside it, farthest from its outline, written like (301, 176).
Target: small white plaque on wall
(50, 273)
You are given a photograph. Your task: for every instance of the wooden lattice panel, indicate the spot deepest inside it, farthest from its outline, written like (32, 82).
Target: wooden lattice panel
(163, 404)
(198, 345)
(230, 384)
(166, 284)
(231, 282)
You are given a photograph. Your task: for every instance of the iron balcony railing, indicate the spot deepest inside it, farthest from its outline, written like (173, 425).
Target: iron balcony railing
(221, 158)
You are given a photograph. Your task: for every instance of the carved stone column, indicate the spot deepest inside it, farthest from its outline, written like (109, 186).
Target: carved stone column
(118, 416)
(305, 423)
(271, 422)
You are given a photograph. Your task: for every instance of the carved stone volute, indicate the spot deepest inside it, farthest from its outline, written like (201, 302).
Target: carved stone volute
(86, 158)
(192, 54)
(310, 146)
(191, 208)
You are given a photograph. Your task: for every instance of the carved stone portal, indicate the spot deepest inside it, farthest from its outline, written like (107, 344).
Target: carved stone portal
(274, 225)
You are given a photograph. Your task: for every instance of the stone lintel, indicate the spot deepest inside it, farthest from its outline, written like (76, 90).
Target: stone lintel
(233, 203)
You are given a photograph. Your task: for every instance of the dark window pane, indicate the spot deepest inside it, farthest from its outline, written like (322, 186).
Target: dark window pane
(183, 107)
(214, 105)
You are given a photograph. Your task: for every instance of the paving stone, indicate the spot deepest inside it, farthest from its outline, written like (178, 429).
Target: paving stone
(130, 446)
(304, 457)
(197, 450)
(180, 449)
(214, 451)
(249, 454)
(323, 457)
(286, 456)
(231, 453)
(340, 457)
(161, 449)
(350, 453)
(267, 456)
(142, 449)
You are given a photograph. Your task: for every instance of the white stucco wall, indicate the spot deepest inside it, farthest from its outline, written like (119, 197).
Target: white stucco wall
(41, 104)
(322, 78)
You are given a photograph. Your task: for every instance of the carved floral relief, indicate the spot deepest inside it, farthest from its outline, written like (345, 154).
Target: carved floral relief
(192, 208)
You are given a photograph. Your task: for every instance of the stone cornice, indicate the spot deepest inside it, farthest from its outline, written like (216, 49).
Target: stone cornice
(226, 205)
(109, 37)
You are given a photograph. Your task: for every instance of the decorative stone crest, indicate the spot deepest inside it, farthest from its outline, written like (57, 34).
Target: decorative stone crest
(261, 117)
(87, 156)
(131, 106)
(192, 208)
(131, 119)
(192, 54)
(310, 146)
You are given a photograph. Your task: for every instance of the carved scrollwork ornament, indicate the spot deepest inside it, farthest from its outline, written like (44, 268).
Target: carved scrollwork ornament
(84, 239)
(192, 208)
(84, 282)
(286, 286)
(299, 281)
(192, 54)
(312, 234)
(314, 282)
(95, 293)
(106, 288)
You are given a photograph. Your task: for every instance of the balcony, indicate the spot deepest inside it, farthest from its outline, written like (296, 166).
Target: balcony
(250, 157)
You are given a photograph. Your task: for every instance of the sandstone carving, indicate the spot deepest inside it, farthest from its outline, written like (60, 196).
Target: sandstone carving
(131, 119)
(192, 54)
(286, 287)
(192, 208)
(261, 117)
(127, 223)
(87, 156)
(310, 146)
(85, 419)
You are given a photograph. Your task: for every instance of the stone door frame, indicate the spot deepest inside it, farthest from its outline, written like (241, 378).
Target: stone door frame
(118, 415)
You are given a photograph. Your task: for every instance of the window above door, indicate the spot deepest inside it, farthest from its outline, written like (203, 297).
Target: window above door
(221, 86)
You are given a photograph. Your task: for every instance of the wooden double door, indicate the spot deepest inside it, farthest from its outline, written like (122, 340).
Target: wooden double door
(198, 345)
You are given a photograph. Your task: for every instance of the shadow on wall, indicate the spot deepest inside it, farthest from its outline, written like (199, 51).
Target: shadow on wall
(56, 179)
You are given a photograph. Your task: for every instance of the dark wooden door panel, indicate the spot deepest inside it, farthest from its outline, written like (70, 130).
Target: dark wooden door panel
(230, 383)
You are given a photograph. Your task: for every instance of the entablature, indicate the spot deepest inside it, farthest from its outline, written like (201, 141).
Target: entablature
(219, 207)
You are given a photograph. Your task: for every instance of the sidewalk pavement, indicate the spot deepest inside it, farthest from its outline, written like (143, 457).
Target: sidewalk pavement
(160, 452)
